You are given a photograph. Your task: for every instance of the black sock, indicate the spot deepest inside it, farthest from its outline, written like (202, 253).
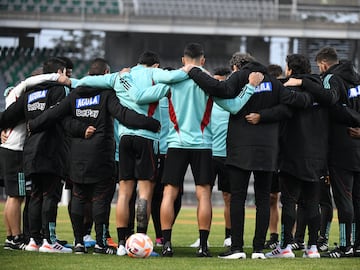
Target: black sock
(122, 235)
(227, 232)
(78, 228)
(167, 235)
(204, 235)
(274, 236)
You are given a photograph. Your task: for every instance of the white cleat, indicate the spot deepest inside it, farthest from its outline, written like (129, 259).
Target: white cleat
(54, 248)
(121, 251)
(278, 252)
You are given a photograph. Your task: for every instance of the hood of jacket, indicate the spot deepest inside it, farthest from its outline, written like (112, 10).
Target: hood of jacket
(346, 71)
(315, 78)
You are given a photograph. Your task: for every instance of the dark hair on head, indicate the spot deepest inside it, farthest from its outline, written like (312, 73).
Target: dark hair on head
(52, 65)
(298, 63)
(193, 50)
(222, 71)
(274, 70)
(67, 60)
(240, 59)
(98, 66)
(327, 54)
(149, 58)
(168, 68)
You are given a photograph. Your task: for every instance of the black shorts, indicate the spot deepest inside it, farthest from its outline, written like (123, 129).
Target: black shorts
(11, 168)
(275, 187)
(222, 174)
(178, 160)
(137, 160)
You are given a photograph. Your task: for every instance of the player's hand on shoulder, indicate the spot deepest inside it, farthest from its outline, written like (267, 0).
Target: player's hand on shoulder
(293, 82)
(255, 78)
(125, 70)
(63, 79)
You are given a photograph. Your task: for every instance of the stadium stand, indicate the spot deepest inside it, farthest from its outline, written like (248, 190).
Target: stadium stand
(206, 9)
(62, 6)
(249, 10)
(16, 64)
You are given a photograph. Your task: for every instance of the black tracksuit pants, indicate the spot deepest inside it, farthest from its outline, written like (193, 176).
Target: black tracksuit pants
(346, 191)
(296, 191)
(239, 182)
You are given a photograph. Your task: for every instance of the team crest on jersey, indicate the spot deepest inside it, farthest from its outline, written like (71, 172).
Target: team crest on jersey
(354, 92)
(37, 95)
(263, 87)
(86, 102)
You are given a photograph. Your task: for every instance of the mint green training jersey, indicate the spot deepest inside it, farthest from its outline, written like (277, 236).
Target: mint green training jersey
(219, 127)
(190, 113)
(141, 93)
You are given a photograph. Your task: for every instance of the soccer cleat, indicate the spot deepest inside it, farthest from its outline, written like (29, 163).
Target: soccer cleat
(233, 254)
(7, 244)
(104, 250)
(110, 242)
(88, 241)
(203, 252)
(18, 243)
(357, 251)
(227, 242)
(167, 250)
(258, 255)
(322, 244)
(62, 242)
(32, 246)
(297, 245)
(339, 252)
(159, 242)
(121, 251)
(278, 252)
(272, 242)
(53, 248)
(196, 244)
(312, 252)
(80, 249)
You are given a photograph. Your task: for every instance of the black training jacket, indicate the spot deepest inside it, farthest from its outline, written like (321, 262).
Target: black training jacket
(44, 152)
(253, 147)
(344, 150)
(92, 160)
(304, 140)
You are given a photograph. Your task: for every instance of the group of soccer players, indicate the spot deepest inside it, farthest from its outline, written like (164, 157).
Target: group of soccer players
(304, 127)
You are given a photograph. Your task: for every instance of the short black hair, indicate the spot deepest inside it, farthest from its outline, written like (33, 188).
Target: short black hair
(67, 60)
(52, 65)
(98, 66)
(222, 71)
(274, 70)
(193, 50)
(298, 63)
(149, 58)
(327, 54)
